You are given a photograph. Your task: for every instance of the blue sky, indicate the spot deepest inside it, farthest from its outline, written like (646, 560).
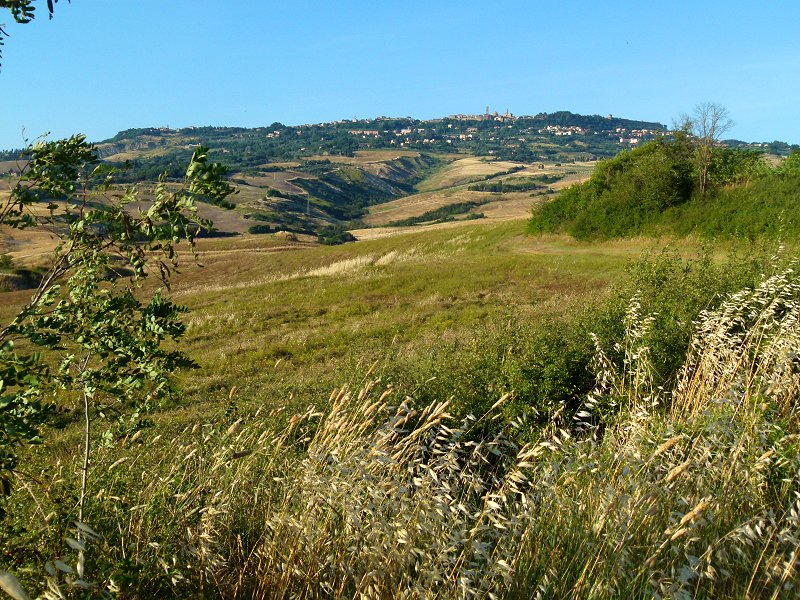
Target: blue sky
(105, 65)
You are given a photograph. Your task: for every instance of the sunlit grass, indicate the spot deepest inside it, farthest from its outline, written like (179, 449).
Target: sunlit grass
(374, 301)
(641, 493)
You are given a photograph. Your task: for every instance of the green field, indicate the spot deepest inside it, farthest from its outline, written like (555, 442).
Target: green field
(326, 315)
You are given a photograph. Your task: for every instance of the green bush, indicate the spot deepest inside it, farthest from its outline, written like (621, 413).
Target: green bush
(335, 235)
(767, 208)
(624, 194)
(547, 366)
(674, 290)
(651, 191)
(257, 229)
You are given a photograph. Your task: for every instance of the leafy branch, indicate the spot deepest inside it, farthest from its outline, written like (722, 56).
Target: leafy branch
(86, 328)
(23, 11)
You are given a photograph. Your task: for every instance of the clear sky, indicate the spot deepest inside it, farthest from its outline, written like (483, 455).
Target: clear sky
(101, 66)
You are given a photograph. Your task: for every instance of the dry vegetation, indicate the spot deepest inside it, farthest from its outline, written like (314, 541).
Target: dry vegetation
(692, 493)
(416, 204)
(463, 171)
(449, 186)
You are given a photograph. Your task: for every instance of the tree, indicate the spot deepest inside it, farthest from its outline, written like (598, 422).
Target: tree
(89, 330)
(88, 327)
(790, 166)
(706, 124)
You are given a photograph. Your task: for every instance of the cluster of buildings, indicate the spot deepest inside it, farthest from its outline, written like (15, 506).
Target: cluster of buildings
(561, 130)
(364, 132)
(486, 116)
(408, 134)
(635, 136)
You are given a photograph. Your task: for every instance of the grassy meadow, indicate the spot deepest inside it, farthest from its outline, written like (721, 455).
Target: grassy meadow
(428, 415)
(301, 321)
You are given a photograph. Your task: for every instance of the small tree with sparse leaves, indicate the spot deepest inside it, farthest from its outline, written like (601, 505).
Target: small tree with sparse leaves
(89, 328)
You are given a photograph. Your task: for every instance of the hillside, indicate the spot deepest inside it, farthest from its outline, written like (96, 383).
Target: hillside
(375, 172)
(654, 190)
(554, 137)
(304, 178)
(478, 186)
(301, 197)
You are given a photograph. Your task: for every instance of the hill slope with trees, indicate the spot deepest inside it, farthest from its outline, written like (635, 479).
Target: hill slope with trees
(658, 190)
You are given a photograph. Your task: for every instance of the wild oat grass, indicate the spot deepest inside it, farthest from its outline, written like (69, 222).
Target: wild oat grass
(693, 492)
(746, 349)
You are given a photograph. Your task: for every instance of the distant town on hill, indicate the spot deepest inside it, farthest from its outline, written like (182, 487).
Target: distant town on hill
(559, 136)
(304, 178)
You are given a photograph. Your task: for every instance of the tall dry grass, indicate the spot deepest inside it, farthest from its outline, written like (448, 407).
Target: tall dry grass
(652, 494)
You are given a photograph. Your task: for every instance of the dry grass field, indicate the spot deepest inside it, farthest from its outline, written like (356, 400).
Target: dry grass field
(464, 170)
(498, 206)
(377, 232)
(513, 205)
(364, 157)
(416, 204)
(288, 164)
(232, 221)
(26, 247)
(121, 157)
(278, 180)
(8, 165)
(29, 248)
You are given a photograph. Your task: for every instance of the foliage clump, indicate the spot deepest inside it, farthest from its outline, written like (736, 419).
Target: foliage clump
(335, 235)
(88, 330)
(654, 190)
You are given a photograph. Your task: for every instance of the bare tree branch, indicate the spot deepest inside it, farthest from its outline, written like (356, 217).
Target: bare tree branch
(707, 124)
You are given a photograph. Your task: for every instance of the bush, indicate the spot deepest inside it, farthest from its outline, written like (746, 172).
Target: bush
(547, 366)
(650, 191)
(257, 229)
(335, 235)
(766, 208)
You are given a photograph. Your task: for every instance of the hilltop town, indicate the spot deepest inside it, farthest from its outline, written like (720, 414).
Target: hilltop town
(555, 137)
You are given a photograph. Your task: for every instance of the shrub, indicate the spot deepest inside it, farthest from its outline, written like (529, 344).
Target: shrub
(335, 235)
(650, 190)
